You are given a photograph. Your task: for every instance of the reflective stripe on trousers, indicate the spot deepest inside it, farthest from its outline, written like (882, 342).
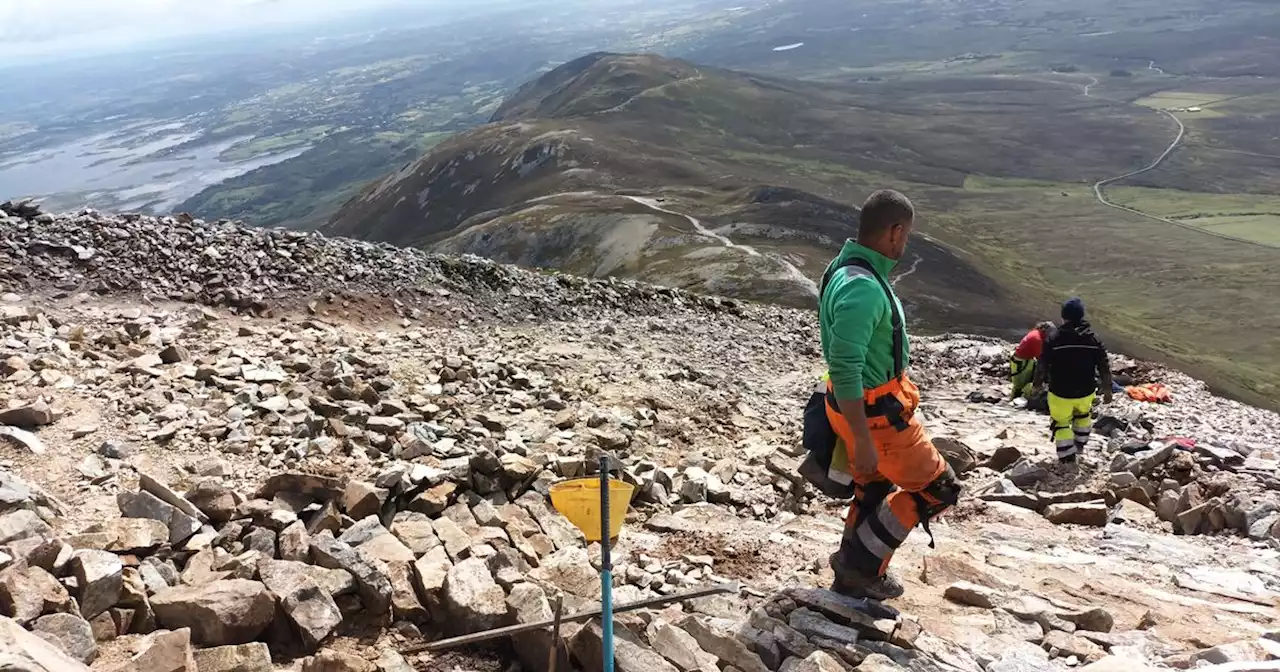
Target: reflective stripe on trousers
(908, 463)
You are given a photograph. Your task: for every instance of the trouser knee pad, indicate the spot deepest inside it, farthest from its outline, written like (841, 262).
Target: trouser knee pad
(941, 494)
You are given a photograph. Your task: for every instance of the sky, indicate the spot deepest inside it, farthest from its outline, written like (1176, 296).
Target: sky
(32, 28)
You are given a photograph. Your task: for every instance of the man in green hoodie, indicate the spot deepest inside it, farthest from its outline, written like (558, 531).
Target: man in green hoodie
(900, 479)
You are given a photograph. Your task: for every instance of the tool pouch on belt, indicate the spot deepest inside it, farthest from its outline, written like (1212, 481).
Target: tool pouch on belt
(821, 442)
(891, 408)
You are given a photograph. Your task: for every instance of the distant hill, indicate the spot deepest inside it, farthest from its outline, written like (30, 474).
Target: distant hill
(596, 167)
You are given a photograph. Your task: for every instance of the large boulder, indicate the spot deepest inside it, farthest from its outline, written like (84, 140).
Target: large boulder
(26, 593)
(308, 605)
(164, 652)
(146, 505)
(629, 652)
(100, 577)
(371, 576)
(22, 651)
(528, 604)
(22, 524)
(473, 600)
(70, 633)
(232, 611)
(717, 637)
(334, 661)
(253, 657)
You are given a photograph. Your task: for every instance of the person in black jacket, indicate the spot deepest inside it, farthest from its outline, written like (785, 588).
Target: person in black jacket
(1075, 364)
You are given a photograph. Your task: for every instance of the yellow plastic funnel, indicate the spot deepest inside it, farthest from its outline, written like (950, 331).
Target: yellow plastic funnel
(579, 501)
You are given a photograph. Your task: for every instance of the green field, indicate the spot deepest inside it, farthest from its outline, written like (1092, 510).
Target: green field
(1159, 290)
(1171, 100)
(275, 143)
(1251, 216)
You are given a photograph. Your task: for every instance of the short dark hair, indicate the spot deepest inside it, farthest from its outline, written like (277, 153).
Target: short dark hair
(884, 209)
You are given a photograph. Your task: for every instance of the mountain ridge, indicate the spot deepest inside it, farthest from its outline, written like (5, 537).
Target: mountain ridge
(1001, 169)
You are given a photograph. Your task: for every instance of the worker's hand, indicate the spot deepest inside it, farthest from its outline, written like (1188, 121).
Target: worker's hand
(865, 459)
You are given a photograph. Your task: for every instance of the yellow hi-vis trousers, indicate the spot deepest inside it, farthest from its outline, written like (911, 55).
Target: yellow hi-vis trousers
(1072, 424)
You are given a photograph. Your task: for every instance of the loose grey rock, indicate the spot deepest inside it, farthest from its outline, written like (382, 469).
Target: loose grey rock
(309, 606)
(293, 543)
(371, 578)
(813, 624)
(100, 577)
(1093, 514)
(682, 650)
(165, 652)
(35, 414)
(146, 505)
(973, 595)
(214, 500)
(821, 661)
(630, 652)
(333, 661)
(362, 499)
(418, 535)
(25, 651)
(472, 598)
(261, 540)
(252, 657)
(717, 638)
(26, 593)
(22, 524)
(169, 496)
(232, 611)
(70, 633)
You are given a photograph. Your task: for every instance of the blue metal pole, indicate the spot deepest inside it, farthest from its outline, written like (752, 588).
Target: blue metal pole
(606, 568)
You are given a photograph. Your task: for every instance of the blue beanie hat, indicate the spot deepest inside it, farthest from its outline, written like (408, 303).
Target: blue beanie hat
(1073, 310)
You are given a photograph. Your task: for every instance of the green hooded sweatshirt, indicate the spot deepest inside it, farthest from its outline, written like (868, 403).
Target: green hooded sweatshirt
(857, 324)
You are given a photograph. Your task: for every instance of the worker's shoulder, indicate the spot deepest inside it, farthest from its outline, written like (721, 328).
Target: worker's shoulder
(855, 297)
(855, 282)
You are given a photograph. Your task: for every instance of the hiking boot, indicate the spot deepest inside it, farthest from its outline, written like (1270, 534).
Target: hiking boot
(852, 584)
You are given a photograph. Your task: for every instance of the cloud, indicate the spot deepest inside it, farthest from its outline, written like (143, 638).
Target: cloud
(42, 25)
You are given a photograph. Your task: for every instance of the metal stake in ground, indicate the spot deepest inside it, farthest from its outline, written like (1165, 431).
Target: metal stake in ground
(606, 569)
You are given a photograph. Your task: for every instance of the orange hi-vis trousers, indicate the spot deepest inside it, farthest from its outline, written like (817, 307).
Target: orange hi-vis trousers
(887, 503)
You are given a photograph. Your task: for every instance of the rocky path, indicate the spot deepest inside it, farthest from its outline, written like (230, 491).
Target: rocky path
(305, 481)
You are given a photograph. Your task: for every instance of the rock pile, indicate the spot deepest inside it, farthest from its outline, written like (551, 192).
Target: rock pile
(1193, 490)
(235, 493)
(227, 264)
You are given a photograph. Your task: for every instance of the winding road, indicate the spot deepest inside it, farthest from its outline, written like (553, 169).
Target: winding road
(1102, 197)
(1097, 187)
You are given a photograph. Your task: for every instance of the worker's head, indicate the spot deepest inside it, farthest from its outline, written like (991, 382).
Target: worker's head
(1044, 328)
(1073, 310)
(885, 223)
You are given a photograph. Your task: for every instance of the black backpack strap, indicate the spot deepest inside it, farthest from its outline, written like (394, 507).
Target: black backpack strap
(899, 329)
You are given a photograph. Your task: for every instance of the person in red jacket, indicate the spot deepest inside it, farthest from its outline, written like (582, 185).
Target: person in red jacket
(1022, 366)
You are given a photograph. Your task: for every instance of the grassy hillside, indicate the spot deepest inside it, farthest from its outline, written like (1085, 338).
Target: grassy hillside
(1002, 166)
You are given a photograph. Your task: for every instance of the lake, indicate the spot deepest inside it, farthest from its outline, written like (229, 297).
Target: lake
(121, 170)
